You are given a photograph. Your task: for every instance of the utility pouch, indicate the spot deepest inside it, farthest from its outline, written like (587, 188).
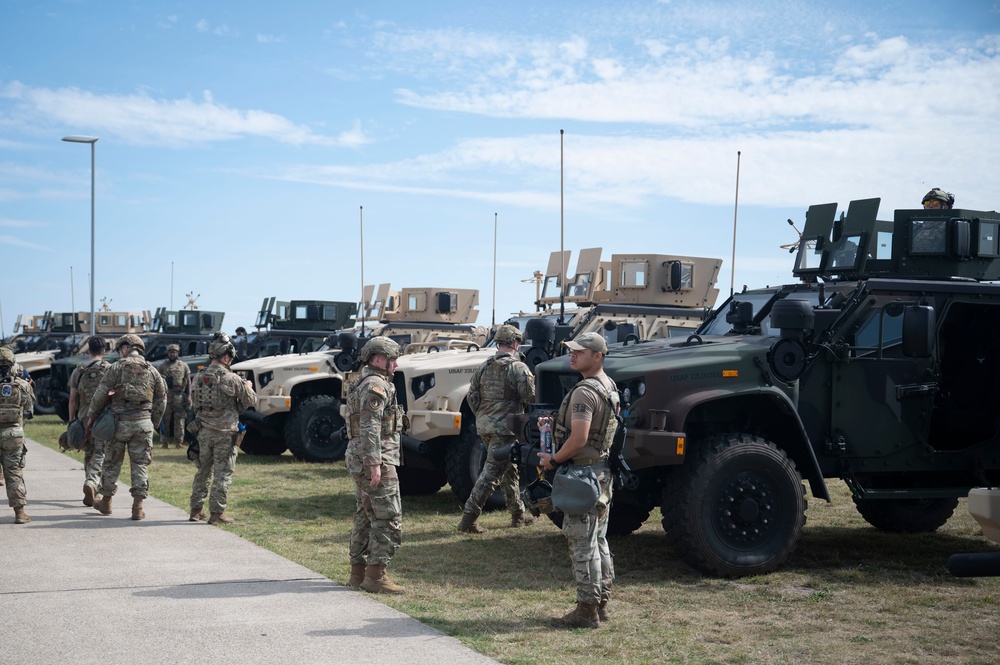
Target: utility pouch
(575, 489)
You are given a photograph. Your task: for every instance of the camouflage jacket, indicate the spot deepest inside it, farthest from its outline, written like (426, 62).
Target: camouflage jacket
(137, 388)
(176, 374)
(16, 397)
(500, 386)
(85, 378)
(218, 397)
(374, 419)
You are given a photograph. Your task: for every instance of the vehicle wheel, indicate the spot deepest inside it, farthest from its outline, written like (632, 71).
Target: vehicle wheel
(737, 508)
(44, 404)
(311, 425)
(255, 443)
(626, 518)
(463, 462)
(414, 481)
(906, 515)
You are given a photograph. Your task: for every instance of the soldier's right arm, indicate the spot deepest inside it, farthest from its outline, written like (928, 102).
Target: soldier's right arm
(101, 398)
(525, 384)
(27, 397)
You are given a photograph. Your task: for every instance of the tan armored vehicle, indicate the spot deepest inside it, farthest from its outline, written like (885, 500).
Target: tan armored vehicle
(299, 396)
(629, 298)
(60, 335)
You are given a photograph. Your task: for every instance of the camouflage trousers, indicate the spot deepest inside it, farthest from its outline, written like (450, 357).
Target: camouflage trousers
(93, 461)
(216, 463)
(136, 437)
(174, 418)
(587, 537)
(496, 473)
(377, 532)
(12, 456)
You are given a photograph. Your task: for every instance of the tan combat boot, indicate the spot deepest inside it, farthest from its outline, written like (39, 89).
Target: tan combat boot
(602, 611)
(468, 524)
(584, 616)
(89, 495)
(103, 505)
(357, 575)
(521, 519)
(376, 581)
(20, 517)
(137, 512)
(196, 515)
(220, 517)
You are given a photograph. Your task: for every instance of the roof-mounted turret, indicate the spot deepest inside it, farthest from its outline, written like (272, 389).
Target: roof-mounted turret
(186, 321)
(662, 279)
(434, 305)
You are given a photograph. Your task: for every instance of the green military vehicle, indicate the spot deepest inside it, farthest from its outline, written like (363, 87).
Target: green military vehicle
(631, 297)
(880, 369)
(299, 395)
(192, 330)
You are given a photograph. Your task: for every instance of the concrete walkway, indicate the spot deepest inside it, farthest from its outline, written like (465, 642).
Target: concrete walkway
(78, 587)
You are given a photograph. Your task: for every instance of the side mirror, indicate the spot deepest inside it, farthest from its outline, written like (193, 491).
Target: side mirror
(918, 331)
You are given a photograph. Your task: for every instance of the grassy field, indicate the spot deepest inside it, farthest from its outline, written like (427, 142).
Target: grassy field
(850, 593)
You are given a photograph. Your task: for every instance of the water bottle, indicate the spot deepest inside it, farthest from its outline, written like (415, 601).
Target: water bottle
(546, 432)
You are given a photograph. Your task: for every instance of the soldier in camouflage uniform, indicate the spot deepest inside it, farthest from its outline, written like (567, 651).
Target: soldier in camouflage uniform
(177, 376)
(219, 398)
(138, 398)
(501, 386)
(584, 431)
(374, 422)
(16, 398)
(82, 386)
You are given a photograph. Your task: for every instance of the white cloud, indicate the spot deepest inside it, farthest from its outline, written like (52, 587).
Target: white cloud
(144, 120)
(269, 39)
(17, 242)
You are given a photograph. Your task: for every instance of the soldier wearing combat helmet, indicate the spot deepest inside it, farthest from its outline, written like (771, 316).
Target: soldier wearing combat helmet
(501, 386)
(219, 396)
(137, 397)
(16, 397)
(177, 375)
(938, 199)
(374, 423)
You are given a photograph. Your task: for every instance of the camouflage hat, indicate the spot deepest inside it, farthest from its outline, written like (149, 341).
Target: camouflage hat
(947, 199)
(132, 340)
(508, 334)
(591, 341)
(379, 345)
(537, 497)
(6, 356)
(220, 346)
(173, 347)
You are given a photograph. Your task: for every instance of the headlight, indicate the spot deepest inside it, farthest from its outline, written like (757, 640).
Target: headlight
(265, 379)
(421, 384)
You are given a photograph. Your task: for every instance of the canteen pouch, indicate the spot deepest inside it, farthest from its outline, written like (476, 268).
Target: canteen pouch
(575, 489)
(104, 426)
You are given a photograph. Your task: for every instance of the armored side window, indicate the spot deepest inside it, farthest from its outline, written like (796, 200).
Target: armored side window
(105, 319)
(300, 313)
(986, 240)
(416, 302)
(635, 274)
(551, 286)
(579, 287)
(928, 236)
(329, 312)
(190, 319)
(868, 339)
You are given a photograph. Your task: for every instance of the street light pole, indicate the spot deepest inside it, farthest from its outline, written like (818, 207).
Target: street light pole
(91, 140)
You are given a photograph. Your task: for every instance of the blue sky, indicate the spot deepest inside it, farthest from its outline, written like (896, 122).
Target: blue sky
(238, 140)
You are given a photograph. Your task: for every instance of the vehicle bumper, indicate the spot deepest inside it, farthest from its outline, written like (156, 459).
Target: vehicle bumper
(426, 425)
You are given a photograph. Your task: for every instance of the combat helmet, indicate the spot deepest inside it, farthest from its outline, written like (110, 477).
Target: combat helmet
(6, 356)
(947, 199)
(507, 335)
(220, 346)
(382, 345)
(133, 341)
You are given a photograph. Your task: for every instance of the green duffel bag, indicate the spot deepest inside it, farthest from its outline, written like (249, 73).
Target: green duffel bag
(104, 426)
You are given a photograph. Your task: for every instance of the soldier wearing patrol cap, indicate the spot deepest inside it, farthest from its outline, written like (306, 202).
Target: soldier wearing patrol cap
(374, 423)
(177, 375)
(501, 386)
(583, 432)
(137, 397)
(16, 397)
(219, 398)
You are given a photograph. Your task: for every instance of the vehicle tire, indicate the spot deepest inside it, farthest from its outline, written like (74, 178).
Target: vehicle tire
(463, 462)
(906, 515)
(414, 481)
(311, 425)
(737, 508)
(44, 403)
(255, 443)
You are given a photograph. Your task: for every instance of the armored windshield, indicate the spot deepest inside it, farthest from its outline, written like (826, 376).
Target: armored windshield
(760, 302)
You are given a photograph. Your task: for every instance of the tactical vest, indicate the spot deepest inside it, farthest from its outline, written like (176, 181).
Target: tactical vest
(173, 374)
(493, 384)
(90, 378)
(136, 382)
(601, 437)
(392, 415)
(207, 394)
(11, 397)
